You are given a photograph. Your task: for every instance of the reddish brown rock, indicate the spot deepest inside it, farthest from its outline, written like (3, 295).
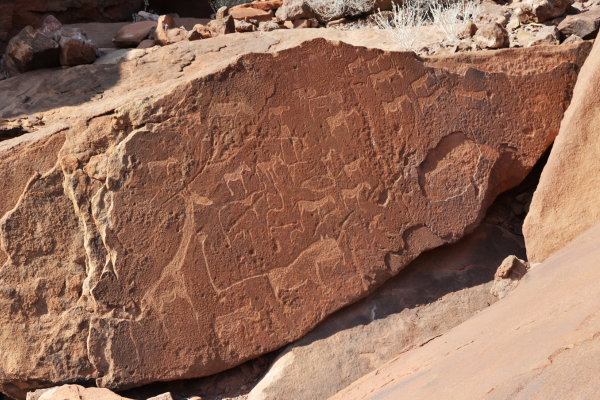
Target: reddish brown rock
(17, 14)
(30, 50)
(567, 200)
(547, 36)
(73, 392)
(223, 24)
(245, 14)
(540, 342)
(585, 24)
(75, 48)
(261, 5)
(132, 35)
(439, 290)
(226, 225)
(491, 36)
(167, 31)
(294, 9)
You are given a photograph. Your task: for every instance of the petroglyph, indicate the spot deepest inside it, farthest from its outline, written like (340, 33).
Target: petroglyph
(255, 205)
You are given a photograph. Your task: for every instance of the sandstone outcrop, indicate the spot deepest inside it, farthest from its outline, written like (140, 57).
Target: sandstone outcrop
(438, 291)
(195, 219)
(567, 200)
(132, 35)
(541, 342)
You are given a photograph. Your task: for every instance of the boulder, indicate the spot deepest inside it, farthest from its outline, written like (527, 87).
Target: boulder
(260, 5)
(567, 200)
(146, 44)
(268, 26)
(30, 50)
(508, 276)
(17, 14)
(294, 9)
(75, 48)
(246, 14)
(491, 36)
(573, 39)
(493, 13)
(547, 36)
(539, 11)
(439, 290)
(243, 26)
(132, 35)
(585, 24)
(73, 392)
(541, 342)
(223, 24)
(167, 31)
(524, 38)
(216, 224)
(50, 26)
(468, 31)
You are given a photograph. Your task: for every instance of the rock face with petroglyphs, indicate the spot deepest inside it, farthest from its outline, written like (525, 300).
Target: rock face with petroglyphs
(224, 213)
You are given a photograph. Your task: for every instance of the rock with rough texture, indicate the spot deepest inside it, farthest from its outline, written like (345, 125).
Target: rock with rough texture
(292, 10)
(17, 14)
(438, 291)
(547, 36)
(75, 48)
(223, 26)
(524, 38)
(508, 276)
(268, 26)
(468, 31)
(50, 26)
(167, 31)
(573, 39)
(246, 14)
(567, 200)
(243, 26)
(585, 24)
(491, 36)
(541, 342)
(30, 50)
(261, 5)
(539, 11)
(132, 35)
(73, 392)
(215, 224)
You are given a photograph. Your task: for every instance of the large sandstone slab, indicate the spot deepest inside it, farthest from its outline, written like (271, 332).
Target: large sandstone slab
(540, 342)
(567, 200)
(439, 290)
(200, 217)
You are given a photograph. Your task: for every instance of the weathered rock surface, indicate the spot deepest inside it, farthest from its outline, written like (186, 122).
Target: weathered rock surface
(75, 47)
(30, 50)
(132, 35)
(251, 224)
(541, 10)
(167, 31)
(567, 200)
(541, 342)
(438, 291)
(585, 24)
(17, 14)
(293, 10)
(508, 276)
(491, 36)
(73, 392)
(547, 36)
